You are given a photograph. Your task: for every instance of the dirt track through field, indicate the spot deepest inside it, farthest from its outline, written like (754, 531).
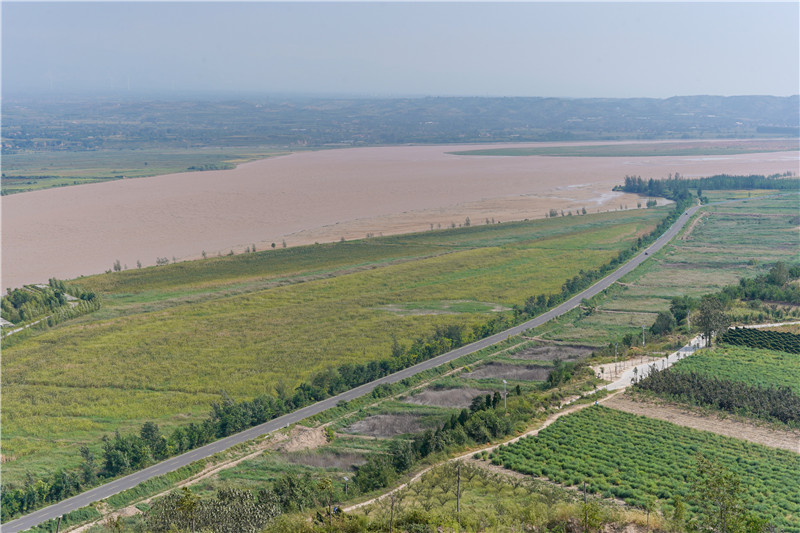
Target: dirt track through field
(728, 426)
(315, 196)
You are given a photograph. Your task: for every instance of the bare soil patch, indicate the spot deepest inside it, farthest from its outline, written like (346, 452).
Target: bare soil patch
(446, 397)
(327, 459)
(302, 438)
(316, 196)
(505, 371)
(564, 352)
(386, 425)
(730, 427)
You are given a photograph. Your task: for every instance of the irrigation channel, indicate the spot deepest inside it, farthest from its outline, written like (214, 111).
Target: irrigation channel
(168, 465)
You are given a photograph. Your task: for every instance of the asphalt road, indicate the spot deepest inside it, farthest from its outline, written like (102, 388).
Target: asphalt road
(164, 467)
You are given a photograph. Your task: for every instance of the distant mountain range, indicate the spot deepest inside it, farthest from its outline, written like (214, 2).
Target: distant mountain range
(84, 124)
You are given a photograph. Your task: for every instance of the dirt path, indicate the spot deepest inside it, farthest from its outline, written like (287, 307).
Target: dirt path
(688, 233)
(682, 416)
(613, 371)
(773, 325)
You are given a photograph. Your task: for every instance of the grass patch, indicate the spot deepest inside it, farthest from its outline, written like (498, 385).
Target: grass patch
(636, 150)
(30, 171)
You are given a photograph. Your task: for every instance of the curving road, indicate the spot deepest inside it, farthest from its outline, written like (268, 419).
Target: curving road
(164, 467)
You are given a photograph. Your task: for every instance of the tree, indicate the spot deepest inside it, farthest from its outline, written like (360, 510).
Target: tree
(778, 274)
(151, 435)
(187, 505)
(376, 473)
(402, 454)
(325, 488)
(89, 471)
(680, 306)
(677, 520)
(664, 323)
(712, 317)
(718, 492)
(295, 492)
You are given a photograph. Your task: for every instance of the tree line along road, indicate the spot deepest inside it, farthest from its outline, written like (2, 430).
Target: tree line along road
(168, 465)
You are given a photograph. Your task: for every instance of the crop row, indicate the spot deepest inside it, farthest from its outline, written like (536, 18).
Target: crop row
(775, 404)
(638, 459)
(741, 364)
(756, 338)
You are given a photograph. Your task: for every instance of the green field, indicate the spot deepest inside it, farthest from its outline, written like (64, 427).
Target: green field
(29, 171)
(636, 150)
(639, 459)
(170, 339)
(740, 364)
(749, 382)
(735, 240)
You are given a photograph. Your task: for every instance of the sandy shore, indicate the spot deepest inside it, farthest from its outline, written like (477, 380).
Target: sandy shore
(315, 196)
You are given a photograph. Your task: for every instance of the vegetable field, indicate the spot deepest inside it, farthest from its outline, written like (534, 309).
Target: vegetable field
(641, 460)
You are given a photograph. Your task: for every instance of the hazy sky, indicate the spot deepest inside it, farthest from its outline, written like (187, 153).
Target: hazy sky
(398, 49)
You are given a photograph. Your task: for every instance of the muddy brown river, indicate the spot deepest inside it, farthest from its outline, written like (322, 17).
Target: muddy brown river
(316, 197)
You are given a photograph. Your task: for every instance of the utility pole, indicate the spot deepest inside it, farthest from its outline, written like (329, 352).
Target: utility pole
(643, 343)
(585, 510)
(505, 408)
(615, 360)
(458, 490)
